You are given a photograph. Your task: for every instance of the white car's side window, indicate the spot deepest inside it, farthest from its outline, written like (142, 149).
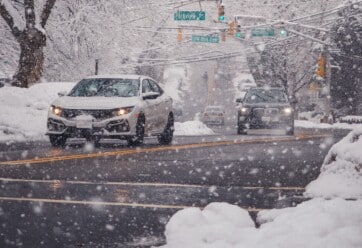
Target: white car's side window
(146, 87)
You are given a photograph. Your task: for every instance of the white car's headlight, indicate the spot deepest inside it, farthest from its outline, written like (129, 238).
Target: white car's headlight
(56, 110)
(288, 110)
(244, 110)
(123, 111)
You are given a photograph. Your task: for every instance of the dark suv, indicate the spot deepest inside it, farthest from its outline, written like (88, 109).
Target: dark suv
(265, 108)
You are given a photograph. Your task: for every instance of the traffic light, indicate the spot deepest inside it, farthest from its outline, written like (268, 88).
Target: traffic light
(321, 70)
(179, 35)
(221, 11)
(232, 28)
(283, 33)
(238, 32)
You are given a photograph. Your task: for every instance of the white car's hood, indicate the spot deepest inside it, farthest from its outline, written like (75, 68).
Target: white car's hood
(96, 102)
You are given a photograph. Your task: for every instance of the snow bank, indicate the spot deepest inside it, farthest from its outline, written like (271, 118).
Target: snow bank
(341, 173)
(23, 112)
(316, 223)
(311, 124)
(190, 128)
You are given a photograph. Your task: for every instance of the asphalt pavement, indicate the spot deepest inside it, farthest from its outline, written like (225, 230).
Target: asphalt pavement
(117, 196)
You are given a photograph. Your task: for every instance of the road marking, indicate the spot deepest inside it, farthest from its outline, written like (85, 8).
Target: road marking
(157, 149)
(147, 184)
(100, 203)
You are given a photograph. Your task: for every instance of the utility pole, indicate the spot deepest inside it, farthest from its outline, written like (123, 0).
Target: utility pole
(328, 83)
(96, 67)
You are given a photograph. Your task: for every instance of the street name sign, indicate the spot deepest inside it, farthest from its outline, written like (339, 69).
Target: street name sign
(189, 16)
(207, 39)
(262, 32)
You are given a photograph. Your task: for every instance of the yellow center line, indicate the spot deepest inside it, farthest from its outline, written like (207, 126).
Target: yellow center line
(156, 149)
(145, 184)
(100, 203)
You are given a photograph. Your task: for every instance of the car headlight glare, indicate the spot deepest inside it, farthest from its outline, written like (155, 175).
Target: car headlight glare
(123, 111)
(288, 111)
(244, 110)
(56, 110)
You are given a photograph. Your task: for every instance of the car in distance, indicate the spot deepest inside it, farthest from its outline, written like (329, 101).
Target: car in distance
(265, 108)
(126, 107)
(213, 115)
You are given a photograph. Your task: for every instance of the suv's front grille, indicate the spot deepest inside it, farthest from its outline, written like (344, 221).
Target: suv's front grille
(97, 114)
(265, 111)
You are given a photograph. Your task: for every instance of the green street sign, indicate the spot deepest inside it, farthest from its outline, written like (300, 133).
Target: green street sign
(189, 16)
(207, 39)
(262, 32)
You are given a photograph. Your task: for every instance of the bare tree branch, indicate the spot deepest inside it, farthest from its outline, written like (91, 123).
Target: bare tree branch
(29, 13)
(309, 72)
(46, 12)
(9, 20)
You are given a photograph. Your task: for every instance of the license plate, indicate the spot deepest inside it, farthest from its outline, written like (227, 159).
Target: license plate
(265, 118)
(84, 121)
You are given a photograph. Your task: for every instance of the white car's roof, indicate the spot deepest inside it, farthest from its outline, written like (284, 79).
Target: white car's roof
(128, 76)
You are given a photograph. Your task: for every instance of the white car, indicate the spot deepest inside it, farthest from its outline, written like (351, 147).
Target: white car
(126, 107)
(214, 115)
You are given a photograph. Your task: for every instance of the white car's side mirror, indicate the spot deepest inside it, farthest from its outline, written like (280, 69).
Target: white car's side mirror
(62, 93)
(150, 95)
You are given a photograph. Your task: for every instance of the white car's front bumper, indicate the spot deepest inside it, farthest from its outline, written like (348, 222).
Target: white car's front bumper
(115, 127)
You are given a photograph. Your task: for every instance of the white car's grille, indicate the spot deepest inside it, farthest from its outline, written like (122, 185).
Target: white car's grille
(97, 114)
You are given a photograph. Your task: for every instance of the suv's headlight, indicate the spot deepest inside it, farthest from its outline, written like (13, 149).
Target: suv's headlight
(288, 110)
(56, 110)
(244, 110)
(123, 111)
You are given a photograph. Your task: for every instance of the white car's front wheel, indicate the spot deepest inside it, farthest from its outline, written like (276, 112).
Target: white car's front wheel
(140, 132)
(166, 137)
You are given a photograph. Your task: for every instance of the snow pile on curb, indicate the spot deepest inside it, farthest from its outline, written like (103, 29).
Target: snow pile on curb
(316, 223)
(341, 173)
(190, 128)
(23, 112)
(310, 124)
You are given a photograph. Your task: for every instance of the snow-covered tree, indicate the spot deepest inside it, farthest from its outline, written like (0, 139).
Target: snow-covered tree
(29, 32)
(347, 83)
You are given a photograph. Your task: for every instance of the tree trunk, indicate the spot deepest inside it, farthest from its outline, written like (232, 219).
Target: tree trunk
(32, 41)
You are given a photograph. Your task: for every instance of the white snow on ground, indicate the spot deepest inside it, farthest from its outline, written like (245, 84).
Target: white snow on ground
(341, 173)
(23, 112)
(328, 220)
(311, 124)
(315, 223)
(190, 128)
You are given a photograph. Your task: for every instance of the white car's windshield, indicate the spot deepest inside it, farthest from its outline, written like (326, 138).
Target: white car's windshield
(106, 87)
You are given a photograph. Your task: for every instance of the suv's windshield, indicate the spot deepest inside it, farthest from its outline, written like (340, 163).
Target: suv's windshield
(106, 87)
(266, 96)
